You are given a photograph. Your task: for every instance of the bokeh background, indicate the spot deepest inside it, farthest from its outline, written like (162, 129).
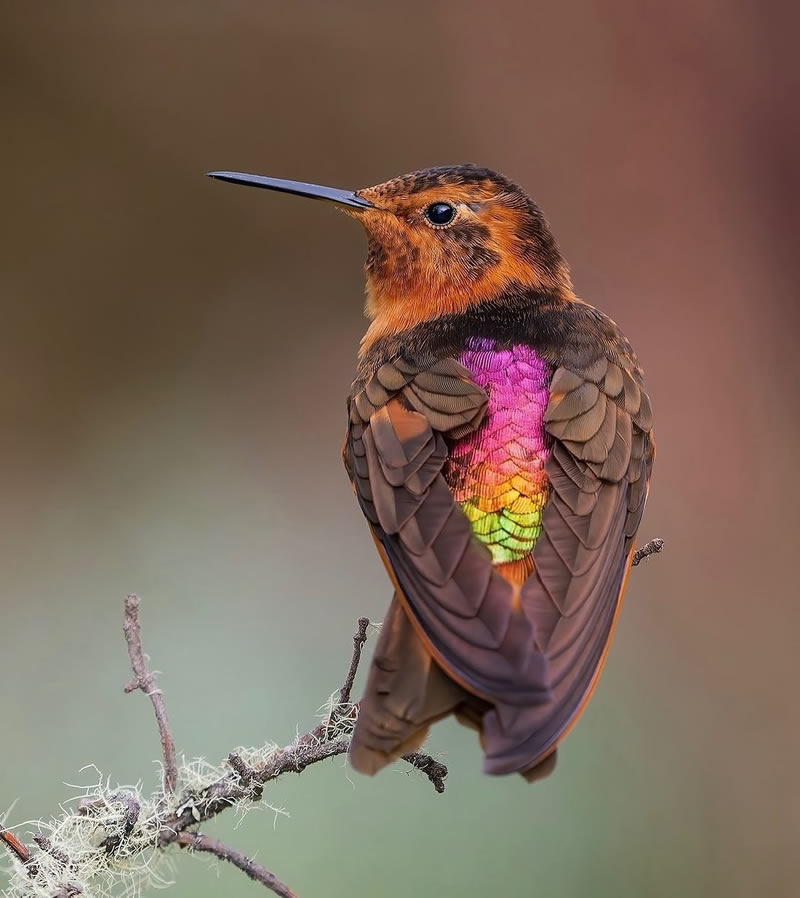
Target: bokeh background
(175, 354)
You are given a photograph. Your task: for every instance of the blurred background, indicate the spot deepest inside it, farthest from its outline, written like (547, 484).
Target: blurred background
(159, 335)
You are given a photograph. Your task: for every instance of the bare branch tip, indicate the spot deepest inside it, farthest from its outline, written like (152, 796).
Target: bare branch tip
(359, 639)
(195, 841)
(650, 548)
(143, 679)
(14, 845)
(433, 769)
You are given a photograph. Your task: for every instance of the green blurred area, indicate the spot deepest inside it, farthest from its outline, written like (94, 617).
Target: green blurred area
(174, 357)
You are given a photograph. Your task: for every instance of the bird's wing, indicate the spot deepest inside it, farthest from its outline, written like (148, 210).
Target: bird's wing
(462, 609)
(599, 471)
(533, 656)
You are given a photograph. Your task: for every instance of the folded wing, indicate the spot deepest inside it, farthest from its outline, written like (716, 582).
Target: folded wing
(533, 656)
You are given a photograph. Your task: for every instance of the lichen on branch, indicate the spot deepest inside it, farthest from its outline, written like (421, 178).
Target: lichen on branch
(119, 841)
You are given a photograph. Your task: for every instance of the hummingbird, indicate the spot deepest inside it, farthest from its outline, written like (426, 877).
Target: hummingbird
(499, 443)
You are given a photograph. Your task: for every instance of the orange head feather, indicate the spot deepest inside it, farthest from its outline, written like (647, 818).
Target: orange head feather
(443, 239)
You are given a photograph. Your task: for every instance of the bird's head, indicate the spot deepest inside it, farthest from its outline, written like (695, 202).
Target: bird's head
(440, 241)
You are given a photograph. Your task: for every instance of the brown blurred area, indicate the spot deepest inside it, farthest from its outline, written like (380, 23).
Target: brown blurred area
(174, 356)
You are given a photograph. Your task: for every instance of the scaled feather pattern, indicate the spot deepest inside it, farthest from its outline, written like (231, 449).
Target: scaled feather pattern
(497, 473)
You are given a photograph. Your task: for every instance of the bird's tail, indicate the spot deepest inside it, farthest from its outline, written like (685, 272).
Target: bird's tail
(406, 692)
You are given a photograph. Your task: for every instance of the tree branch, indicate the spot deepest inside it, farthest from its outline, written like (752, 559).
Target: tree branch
(199, 842)
(143, 679)
(100, 840)
(358, 644)
(435, 771)
(108, 828)
(648, 549)
(15, 846)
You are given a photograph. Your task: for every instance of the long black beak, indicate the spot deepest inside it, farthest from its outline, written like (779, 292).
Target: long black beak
(315, 191)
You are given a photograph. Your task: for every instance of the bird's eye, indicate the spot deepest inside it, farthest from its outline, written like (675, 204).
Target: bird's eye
(440, 214)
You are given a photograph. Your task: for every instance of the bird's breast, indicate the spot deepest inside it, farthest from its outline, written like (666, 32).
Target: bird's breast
(497, 472)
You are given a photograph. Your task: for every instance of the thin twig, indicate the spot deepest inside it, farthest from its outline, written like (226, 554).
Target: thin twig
(648, 549)
(70, 890)
(146, 681)
(14, 845)
(244, 770)
(434, 770)
(343, 710)
(199, 842)
(56, 853)
(358, 644)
